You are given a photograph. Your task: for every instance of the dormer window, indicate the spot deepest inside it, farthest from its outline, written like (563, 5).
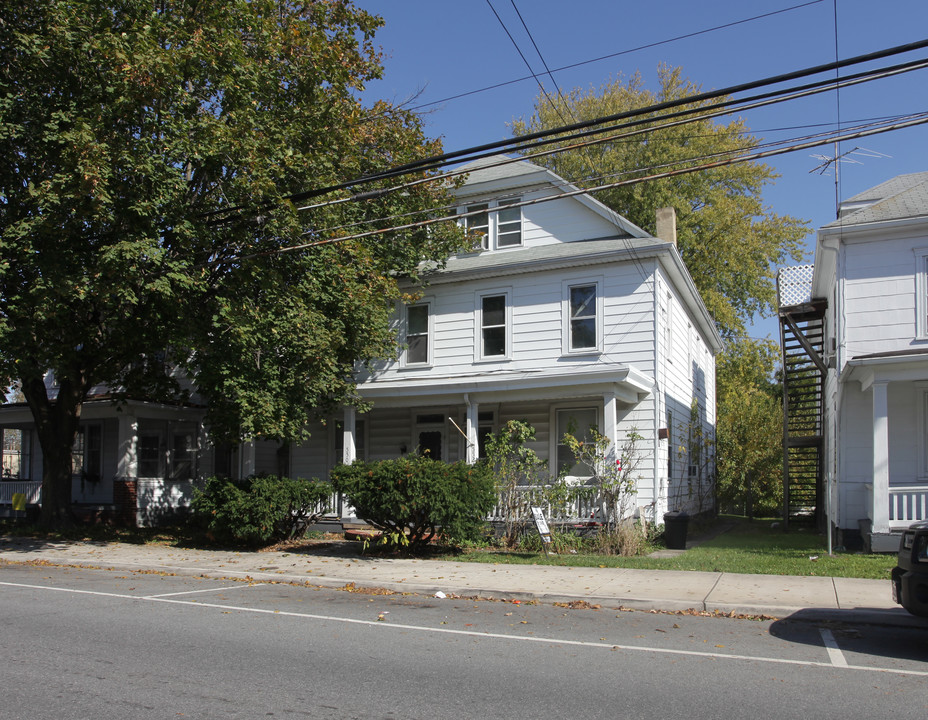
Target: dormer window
(508, 224)
(478, 223)
(499, 225)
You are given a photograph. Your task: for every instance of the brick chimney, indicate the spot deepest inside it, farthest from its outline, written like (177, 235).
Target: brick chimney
(667, 224)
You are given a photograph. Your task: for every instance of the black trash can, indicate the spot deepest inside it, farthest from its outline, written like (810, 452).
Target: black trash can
(675, 525)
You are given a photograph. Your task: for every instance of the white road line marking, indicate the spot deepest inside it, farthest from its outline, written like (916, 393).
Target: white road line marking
(471, 633)
(834, 652)
(206, 590)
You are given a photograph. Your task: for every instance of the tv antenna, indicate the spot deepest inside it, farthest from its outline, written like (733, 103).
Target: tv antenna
(827, 162)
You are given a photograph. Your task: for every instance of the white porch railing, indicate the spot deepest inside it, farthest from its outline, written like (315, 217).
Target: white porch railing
(32, 489)
(576, 508)
(907, 504)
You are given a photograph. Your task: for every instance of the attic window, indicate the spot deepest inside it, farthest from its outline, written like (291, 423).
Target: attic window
(508, 224)
(496, 223)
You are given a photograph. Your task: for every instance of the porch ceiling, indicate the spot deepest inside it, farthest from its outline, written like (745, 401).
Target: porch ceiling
(627, 383)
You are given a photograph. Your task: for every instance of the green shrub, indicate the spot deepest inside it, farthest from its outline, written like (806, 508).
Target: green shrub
(412, 498)
(260, 509)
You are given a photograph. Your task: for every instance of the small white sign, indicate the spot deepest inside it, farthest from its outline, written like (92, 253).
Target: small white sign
(541, 524)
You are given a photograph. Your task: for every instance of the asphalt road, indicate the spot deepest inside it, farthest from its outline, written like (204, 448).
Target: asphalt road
(79, 643)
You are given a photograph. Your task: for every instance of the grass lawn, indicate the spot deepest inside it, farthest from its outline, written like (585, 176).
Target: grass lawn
(748, 547)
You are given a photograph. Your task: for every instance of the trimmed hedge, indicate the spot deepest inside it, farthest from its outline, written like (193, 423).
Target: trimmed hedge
(413, 498)
(260, 509)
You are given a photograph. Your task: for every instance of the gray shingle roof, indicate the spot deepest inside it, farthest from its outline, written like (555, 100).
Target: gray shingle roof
(528, 258)
(904, 196)
(487, 169)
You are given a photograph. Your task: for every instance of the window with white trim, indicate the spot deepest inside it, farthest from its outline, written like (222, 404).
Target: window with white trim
(498, 225)
(418, 335)
(508, 224)
(921, 293)
(582, 317)
(493, 342)
(17, 463)
(477, 222)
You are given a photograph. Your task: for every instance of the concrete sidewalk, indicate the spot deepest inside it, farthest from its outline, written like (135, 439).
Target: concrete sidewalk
(840, 599)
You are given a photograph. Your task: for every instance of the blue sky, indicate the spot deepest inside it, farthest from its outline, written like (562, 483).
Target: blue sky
(443, 48)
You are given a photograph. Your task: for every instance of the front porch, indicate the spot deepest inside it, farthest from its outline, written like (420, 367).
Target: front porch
(884, 405)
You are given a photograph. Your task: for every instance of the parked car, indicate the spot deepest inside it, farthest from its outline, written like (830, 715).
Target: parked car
(910, 576)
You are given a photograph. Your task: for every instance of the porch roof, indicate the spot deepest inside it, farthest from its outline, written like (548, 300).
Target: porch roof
(627, 383)
(899, 366)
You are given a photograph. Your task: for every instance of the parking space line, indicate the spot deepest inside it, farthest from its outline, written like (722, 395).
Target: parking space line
(834, 652)
(238, 586)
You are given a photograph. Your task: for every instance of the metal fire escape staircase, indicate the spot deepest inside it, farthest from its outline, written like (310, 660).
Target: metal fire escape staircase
(804, 371)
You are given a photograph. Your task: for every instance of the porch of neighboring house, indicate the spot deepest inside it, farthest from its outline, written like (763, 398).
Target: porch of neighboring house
(137, 467)
(18, 491)
(895, 386)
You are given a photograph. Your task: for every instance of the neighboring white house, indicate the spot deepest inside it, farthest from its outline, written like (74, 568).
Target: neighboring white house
(871, 267)
(570, 316)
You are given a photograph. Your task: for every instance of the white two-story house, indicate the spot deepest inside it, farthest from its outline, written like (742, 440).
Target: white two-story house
(569, 316)
(871, 268)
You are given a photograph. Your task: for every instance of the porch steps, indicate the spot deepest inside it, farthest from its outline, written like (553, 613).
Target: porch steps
(802, 343)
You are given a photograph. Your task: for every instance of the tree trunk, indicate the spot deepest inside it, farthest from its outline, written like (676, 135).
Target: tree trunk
(56, 423)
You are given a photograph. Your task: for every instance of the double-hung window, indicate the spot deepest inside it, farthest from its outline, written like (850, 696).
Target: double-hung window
(508, 224)
(494, 326)
(417, 334)
(582, 317)
(496, 223)
(921, 293)
(477, 222)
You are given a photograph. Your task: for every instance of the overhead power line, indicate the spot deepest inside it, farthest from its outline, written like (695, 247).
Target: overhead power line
(824, 139)
(610, 56)
(435, 161)
(682, 117)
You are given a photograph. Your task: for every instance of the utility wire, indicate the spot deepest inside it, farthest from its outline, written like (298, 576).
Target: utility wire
(914, 120)
(647, 46)
(432, 162)
(669, 120)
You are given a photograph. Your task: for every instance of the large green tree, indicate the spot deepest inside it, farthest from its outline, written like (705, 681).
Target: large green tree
(730, 241)
(150, 148)
(750, 428)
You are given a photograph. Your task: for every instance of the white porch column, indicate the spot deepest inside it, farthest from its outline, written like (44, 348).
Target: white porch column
(247, 459)
(127, 465)
(880, 508)
(472, 450)
(349, 427)
(610, 426)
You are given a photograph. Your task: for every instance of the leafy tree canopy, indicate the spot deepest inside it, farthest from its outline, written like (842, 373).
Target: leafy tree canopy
(750, 428)
(730, 242)
(149, 149)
